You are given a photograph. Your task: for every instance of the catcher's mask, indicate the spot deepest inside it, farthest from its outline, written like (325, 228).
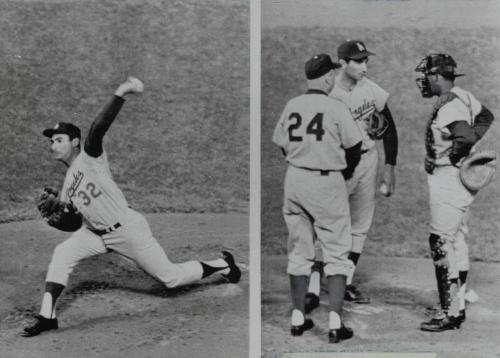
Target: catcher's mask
(435, 64)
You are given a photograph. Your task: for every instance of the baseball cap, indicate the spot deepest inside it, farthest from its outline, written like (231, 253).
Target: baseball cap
(63, 128)
(319, 65)
(441, 64)
(353, 50)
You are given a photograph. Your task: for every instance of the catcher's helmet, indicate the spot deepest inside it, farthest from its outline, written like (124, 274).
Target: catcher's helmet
(435, 64)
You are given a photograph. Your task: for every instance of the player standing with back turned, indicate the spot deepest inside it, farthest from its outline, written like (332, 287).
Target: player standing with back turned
(322, 145)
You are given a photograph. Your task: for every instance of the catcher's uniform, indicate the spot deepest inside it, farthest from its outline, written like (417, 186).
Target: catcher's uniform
(313, 132)
(109, 224)
(363, 100)
(449, 199)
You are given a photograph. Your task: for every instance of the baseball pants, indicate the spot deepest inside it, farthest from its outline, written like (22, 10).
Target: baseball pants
(449, 204)
(361, 189)
(134, 241)
(316, 204)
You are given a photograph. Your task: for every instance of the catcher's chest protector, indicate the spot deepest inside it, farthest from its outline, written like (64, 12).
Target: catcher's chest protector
(429, 137)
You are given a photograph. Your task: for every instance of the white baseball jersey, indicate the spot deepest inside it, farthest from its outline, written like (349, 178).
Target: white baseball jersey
(364, 98)
(463, 108)
(314, 129)
(89, 186)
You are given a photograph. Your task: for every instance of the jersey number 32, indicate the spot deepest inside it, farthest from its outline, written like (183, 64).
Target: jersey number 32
(314, 128)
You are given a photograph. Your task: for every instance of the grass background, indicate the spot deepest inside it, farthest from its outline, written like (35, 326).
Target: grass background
(400, 224)
(182, 146)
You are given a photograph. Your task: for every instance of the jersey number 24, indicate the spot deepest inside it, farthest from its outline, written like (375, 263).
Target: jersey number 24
(315, 127)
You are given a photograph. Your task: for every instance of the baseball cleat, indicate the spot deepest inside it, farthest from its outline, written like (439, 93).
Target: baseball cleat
(444, 323)
(311, 302)
(135, 85)
(437, 312)
(352, 294)
(234, 274)
(41, 324)
(298, 330)
(340, 334)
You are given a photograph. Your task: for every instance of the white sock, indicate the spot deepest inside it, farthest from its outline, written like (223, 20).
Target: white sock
(297, 318)
(350, 275)
(335, 321)
(47, 310)
(314, 283)
(461, 296)
(218, 263)
(454, 304)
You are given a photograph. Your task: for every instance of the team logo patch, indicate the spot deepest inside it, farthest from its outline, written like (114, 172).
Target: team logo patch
(360, 46)
(77, 179)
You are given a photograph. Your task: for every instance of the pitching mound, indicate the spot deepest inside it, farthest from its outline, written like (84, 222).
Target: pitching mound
(112, 309)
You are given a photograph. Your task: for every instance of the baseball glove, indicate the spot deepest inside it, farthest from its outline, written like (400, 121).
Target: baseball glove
(376, 125)
(56, 213)
(477, 169)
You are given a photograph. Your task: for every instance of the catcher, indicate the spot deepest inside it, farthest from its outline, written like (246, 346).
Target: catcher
(457, 122)
(93, 207)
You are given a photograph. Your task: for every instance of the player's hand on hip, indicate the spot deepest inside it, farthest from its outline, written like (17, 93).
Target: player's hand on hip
(388, 185)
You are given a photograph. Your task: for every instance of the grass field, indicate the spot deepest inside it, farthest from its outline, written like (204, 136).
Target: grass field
(180, 147)
(400, 225)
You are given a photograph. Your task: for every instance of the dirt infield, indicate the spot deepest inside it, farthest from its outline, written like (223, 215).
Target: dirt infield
(112, 309)
(400, 289)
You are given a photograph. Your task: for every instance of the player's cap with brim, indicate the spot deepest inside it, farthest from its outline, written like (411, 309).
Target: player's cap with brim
(319, 65)
(63, 128)
(444, 65)
(353, 50)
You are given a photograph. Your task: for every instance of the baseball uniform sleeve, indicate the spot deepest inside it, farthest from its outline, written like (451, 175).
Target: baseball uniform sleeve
(379, 95)
(482, 121)
(280, 135)
(448, 114)
(93, 142)
(349, 132)
(390, 138)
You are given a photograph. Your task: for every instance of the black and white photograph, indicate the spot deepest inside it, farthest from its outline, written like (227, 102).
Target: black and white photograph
(380, 200)
(125, 178)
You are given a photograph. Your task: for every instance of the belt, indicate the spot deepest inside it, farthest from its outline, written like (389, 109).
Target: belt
(105, 231)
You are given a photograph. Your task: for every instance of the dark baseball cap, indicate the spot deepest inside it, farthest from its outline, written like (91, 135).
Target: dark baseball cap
(441, 64)
(63, 128)
(353, 50)
(319, 65)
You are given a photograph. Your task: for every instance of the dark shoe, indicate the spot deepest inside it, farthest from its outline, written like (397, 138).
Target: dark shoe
(352, 294)
(41, 324)
(441, 324)
(234, 274)
(340, 334)
(311, 302)
(298, 330)
(461, 316)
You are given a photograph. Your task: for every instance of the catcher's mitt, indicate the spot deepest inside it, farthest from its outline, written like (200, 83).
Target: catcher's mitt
(477, 169)
(56, 213)
(376, 125)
